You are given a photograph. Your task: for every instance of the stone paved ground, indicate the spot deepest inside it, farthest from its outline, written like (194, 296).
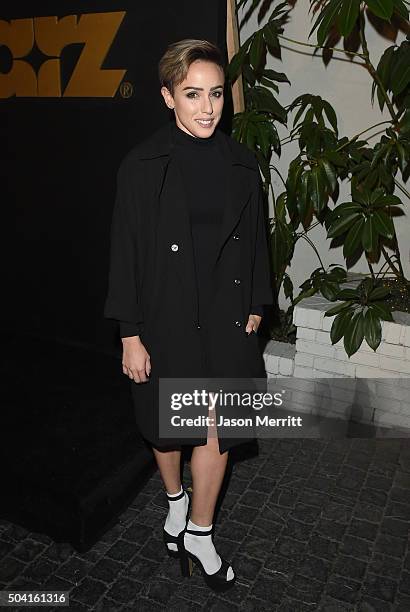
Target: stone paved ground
(308, 524)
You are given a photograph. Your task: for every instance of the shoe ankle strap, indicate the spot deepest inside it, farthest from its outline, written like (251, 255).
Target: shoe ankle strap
(199, 533)
(177, 497)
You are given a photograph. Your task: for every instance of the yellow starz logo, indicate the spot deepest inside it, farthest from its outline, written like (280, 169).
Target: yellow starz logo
(96, 31)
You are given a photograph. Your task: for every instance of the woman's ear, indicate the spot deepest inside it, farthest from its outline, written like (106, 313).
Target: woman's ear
(169, 100)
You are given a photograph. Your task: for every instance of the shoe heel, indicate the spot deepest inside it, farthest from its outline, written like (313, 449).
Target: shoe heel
(217, 581)
(186, 565)
(168, 538)
(173, 554)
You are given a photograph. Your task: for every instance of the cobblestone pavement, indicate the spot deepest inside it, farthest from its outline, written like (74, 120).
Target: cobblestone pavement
(308, 525)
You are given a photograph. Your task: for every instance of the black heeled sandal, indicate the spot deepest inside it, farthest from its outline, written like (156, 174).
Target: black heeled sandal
(216, 581)
(170, 539)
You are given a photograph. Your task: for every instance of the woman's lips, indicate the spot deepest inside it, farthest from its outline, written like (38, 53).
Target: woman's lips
(205, 123)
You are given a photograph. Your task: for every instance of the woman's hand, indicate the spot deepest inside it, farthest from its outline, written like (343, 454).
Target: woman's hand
(253, 323)
(136, 362)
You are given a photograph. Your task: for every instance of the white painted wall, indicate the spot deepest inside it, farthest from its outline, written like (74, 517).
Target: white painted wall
(347, 87)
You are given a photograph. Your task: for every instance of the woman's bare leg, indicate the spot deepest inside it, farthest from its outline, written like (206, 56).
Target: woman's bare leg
(169, 465)
(208, 467)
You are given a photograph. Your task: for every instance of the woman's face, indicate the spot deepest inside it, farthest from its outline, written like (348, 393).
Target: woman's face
(198, 101)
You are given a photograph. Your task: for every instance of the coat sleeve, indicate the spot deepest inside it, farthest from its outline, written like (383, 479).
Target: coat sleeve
(261, 277)
(130, 329)
(257, 309)
(123, 300)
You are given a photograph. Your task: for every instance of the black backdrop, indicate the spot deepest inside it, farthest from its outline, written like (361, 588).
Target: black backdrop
(60, 157)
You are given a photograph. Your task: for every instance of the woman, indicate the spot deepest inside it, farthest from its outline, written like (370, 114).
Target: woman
(188, 280)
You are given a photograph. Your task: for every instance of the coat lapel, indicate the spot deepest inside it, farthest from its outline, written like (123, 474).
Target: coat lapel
(238, 192)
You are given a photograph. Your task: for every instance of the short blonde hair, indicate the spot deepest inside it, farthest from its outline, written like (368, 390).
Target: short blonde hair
(174, 64)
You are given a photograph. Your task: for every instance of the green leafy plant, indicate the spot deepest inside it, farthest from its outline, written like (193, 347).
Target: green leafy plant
(326, 282)
(359, 316)
(364, 224)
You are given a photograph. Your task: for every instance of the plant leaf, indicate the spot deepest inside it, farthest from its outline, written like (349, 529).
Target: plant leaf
(234, 67)
(330, 173)
(331, 12)
(372, 329)
(342, 225)
(390, 200)
(354, 238)
(340, 324)
(384, 224)
(381, 8)
(287, 287)
(384, 72)
(348, 16)
(317, 189)
(378, 293)
(275, 76)
(348, 294)
(329, 290)
(336, 158)
(337, 309)
(354, 333)
(346, 208)
(304, 294)
(303, 198)
(369, 235)
(400, 77)
(271, 37)
(400, 9)
(281, 246)
(256, 50)
(382, 310)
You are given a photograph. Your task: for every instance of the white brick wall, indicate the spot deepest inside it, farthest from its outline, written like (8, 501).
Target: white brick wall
(391, 332)
(370, 386)
(305, 333)
(308, 317)
(304, 359)
(397, 365)
(393, 350)
(279, 358)
(334, 365)
(315, 348)
(369, 372)
(361, 357)
(404, 381)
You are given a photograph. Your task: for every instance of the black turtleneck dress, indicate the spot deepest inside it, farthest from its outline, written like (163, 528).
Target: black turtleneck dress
(203, 170)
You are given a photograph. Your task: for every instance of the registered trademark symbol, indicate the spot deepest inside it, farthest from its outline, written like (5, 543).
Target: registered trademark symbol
(126, 89)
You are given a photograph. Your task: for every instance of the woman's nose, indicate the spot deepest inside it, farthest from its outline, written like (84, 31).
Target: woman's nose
(207, 106)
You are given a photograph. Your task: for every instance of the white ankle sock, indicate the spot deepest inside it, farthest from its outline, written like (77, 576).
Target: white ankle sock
(204, 549)
(176, 517)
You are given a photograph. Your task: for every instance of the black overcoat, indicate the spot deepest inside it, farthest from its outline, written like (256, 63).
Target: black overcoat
(152, 275)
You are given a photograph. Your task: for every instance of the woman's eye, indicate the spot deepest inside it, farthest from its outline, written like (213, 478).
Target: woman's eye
(194, 94)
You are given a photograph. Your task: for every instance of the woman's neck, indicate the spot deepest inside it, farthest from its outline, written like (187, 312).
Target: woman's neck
(183, 137)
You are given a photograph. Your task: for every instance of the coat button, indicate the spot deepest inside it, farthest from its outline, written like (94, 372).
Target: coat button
(174, 247)
(237, 281)
(236, 236)
(238, 323)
